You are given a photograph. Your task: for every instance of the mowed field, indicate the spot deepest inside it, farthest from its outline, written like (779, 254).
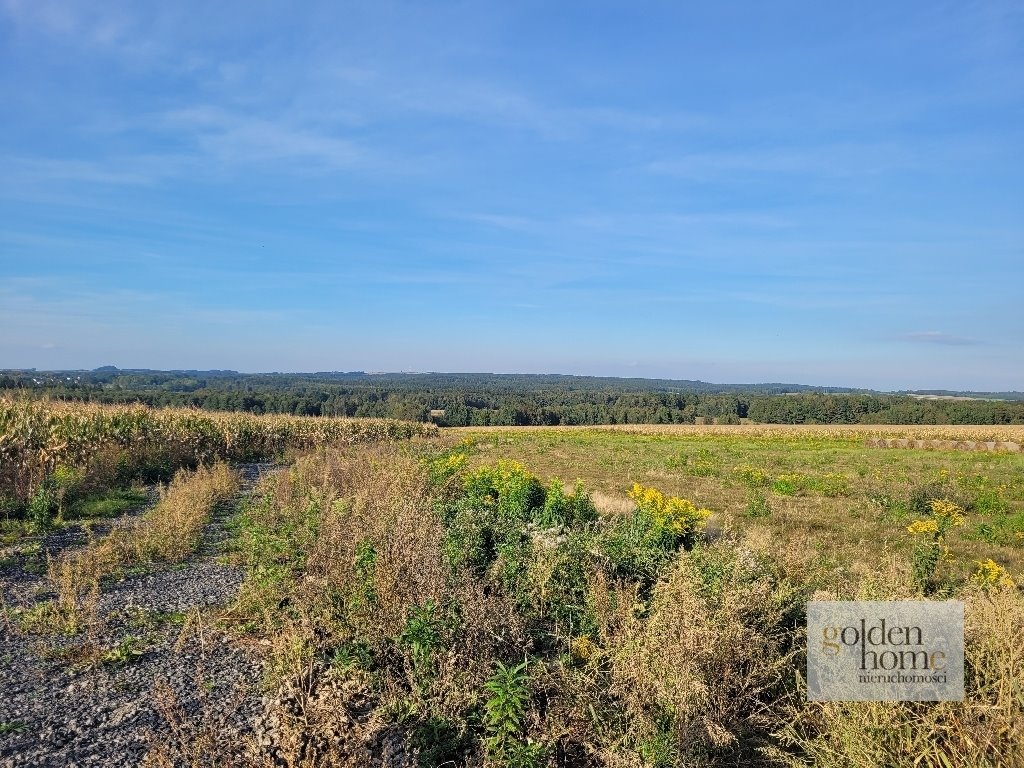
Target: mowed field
(822, 488)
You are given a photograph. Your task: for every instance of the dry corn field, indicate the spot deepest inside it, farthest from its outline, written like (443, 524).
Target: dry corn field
(37, 437)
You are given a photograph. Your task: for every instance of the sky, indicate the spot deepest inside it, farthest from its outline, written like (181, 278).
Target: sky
(806, 192)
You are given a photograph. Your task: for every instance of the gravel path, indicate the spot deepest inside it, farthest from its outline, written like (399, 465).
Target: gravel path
(111, 714)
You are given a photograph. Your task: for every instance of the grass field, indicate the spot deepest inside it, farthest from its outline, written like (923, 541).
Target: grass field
(821, 486)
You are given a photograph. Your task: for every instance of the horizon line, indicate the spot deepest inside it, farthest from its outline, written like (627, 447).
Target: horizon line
(733, 385)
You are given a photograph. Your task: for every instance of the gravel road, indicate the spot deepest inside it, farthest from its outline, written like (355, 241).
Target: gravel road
(53, 713)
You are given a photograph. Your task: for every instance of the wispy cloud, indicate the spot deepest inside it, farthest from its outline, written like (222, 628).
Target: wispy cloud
(234, 137)
(108, 27)
(938, 337)
(513, 223)
(499, 104)
(678, 222)
(120, 172)
(831, 160)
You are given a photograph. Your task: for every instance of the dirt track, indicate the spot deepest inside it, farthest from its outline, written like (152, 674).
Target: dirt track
(109, 714)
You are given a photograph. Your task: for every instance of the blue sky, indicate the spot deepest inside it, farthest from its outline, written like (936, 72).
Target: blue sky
(826, 193)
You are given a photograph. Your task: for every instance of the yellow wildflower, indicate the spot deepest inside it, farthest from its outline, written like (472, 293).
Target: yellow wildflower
(944, 508)
(990, 574)
(455, 462)
(679, 516)
(752, 475)
(923, 526)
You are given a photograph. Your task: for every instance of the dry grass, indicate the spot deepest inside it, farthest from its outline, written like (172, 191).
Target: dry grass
(971, 432)
(985, 730)
(611, 504)
(372, 555)
(173, 528)
(703, 670)
(167, 533)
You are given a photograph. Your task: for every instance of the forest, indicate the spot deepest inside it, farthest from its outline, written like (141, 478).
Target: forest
(459, 400)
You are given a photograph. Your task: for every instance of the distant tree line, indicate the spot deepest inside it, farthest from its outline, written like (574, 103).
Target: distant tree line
(484, 399)
(881, 409)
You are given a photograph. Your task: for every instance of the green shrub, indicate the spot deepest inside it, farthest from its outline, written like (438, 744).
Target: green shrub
(486, 530)
(355, 654)
(422, 635)
(567, 587)
(366, 563)
(1005, 530)
(444, 470)
(9, 506)
(440, 741)
(66, 482)
(506, 487)
(680, 519)
(42, 507)
(921, 496)
(659, 749)
(514, 557)
(562, 509)
(758, 505)
(929, 547)
(789, 484)
(832, 485)
(989, 502)
(469, 540)
(703, 464)
(637, 548)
